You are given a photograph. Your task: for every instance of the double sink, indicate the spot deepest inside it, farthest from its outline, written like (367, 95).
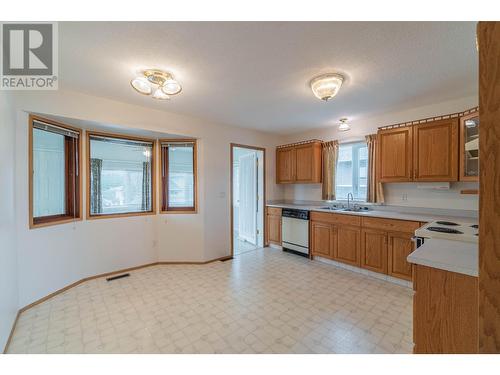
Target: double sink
(353, 209)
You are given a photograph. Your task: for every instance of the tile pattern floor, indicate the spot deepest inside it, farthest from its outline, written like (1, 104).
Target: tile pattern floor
(241, 246)
(264, 301)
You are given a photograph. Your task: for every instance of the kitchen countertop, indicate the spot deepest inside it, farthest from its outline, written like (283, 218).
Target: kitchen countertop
(448, 255)
(388, 214)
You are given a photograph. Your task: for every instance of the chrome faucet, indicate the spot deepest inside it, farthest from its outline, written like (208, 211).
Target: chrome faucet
(352, 198)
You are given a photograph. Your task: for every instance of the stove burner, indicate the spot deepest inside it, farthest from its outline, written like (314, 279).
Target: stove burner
(475, 226)
(446, 223)
(444, 230)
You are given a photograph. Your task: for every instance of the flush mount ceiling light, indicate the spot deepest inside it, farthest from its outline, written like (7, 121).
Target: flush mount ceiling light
(161, 85)
(326, 86)
(344, 126)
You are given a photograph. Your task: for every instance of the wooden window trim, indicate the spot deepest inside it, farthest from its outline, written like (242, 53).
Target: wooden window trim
(46, 221)
(153, 175)
(164, 208)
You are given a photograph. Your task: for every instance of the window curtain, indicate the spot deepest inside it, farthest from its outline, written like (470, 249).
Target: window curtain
(146, 191)
(330, 152)
(95, 186)
(375, 190)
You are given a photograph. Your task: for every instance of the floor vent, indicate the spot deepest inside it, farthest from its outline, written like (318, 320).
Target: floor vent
(118, 277)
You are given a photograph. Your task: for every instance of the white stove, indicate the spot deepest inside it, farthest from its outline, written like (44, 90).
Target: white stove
(449, 230)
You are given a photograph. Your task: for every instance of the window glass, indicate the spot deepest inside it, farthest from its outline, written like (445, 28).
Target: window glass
(180, 176)
(352, 171)
(49, 174)
(120, 176)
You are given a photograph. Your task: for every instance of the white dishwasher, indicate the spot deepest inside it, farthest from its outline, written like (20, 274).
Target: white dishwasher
(295, 231)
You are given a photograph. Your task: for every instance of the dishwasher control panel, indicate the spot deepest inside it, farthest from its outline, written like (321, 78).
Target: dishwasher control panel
(296, 214)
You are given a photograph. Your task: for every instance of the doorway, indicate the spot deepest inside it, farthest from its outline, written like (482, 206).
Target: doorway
(247, 198)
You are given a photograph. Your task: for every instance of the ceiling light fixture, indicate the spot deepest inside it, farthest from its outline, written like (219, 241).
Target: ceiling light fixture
(344, 126)
(161, 85)
(326, 86)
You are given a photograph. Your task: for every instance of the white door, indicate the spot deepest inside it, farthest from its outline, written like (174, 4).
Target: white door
(247, 216)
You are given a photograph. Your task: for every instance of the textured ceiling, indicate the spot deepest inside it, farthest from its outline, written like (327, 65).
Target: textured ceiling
(255, 74)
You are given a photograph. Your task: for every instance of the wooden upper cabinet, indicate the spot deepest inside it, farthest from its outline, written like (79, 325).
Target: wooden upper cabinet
(323, 239)
(349, 245)
(395, 156)
(469, 147)
(299, 164)
(374, 250)
(436, 151)
(308, 163)
(400, 246)
(285, 165)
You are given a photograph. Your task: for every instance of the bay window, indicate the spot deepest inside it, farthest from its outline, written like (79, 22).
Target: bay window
(178, 176)
(54, 163)
(121, 175)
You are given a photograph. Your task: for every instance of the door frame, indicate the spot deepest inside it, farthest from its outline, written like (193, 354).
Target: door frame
(231, 226)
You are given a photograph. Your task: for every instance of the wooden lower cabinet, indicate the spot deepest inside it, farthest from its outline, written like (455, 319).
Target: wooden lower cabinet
(374, 250)
(445, 312)
(323, 239)
(376, 244)
(348, 245)
(273, 226)
(400, 246)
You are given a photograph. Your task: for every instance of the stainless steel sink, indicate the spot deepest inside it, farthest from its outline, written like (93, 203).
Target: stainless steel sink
(351, 209)
(331, 208)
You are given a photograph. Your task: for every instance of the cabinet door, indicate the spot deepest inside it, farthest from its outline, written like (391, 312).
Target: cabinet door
(400, 246)
(374, 250)
(348, 245)
(445, 313)
(436, 151)
(469, 147)
(285, 165)
(395, 157)
(308, 163)
(322, 239)
(274, 229)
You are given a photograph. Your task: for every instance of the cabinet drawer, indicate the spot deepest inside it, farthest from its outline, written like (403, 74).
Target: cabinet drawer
(274, 211)
(336, 218)
(390, 224)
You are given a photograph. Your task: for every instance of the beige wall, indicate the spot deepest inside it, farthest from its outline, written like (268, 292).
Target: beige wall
(53, 257)
(8, 253)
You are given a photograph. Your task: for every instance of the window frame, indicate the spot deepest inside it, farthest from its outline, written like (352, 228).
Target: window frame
(355, 173)
(45, 221)
(164, 207)
(90, 216)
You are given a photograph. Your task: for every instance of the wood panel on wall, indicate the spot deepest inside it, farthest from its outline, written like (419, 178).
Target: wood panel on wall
(488, 34)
